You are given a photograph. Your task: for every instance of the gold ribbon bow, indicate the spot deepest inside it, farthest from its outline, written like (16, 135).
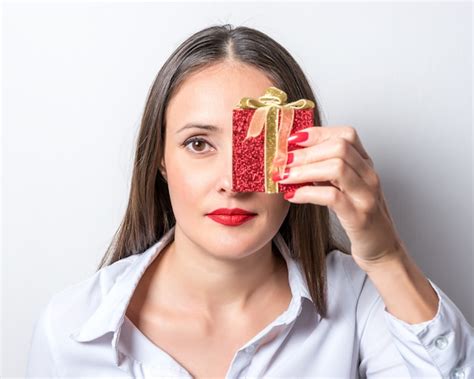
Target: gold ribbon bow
(266, 114)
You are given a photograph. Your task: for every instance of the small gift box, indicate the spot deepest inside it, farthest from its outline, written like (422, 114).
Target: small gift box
(260, 131)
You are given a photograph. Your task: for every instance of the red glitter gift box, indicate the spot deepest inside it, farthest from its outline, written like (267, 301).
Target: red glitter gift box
(261, 128)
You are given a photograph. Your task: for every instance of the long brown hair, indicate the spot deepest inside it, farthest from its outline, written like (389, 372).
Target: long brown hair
(149, 214)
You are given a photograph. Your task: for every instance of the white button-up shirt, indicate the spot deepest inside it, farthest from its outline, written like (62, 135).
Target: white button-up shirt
(83, 331)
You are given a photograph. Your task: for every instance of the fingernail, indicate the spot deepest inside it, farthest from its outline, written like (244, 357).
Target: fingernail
(289, 195)
(276, 176)
(298, 137)
(290, 158)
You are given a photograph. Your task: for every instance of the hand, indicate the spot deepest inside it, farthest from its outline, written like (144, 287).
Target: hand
(345, 180)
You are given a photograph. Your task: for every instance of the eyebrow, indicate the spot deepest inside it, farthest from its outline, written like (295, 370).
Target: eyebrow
(210, 128)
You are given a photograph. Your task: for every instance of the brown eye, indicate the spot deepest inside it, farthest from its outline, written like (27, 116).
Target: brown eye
(197, 144)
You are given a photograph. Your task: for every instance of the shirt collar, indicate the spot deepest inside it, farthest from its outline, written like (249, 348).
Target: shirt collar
(110, 314)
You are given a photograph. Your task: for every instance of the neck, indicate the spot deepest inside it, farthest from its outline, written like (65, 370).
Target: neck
(195, 280)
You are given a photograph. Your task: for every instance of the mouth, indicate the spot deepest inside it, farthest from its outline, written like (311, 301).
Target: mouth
(232, 219)
(232, 211)
(231, 216)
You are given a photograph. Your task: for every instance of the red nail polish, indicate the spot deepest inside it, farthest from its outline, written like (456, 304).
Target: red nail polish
(290, 158)
(289, 195)
(298, 137)
(276, 176)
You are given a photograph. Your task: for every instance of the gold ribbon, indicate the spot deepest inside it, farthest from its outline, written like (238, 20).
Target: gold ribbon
(265, 116)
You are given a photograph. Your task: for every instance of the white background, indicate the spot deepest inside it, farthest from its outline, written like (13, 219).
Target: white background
(75, 79)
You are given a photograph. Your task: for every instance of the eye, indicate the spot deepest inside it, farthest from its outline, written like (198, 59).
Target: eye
(195, 141)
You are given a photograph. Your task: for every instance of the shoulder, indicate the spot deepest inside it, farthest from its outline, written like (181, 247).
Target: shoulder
(93, 288)
(73, 305)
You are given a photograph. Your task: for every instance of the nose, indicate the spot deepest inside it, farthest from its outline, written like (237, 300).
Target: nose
(224, 174)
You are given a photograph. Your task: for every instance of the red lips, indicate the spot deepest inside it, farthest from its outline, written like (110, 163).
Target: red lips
(231, 211)
(231, 217)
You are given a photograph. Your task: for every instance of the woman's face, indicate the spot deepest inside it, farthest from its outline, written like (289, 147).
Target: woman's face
(199, 174)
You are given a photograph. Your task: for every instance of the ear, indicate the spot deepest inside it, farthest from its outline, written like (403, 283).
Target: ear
(163, 169)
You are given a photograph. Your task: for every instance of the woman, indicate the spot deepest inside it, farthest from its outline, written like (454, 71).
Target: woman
(181, 294)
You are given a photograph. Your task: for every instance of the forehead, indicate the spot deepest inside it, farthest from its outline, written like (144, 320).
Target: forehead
(210, 94)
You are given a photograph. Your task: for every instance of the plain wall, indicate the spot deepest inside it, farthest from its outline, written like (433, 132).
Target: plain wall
(75, 80)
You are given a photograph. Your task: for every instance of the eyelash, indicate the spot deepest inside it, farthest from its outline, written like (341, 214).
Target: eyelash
(195, 139)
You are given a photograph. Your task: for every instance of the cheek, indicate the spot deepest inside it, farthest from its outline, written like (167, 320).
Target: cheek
(281, 206)
(276, 206)
(181, 177)
(186, 182)
(187, 174)
(183, 194)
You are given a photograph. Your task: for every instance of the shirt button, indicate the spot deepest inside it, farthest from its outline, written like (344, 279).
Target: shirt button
(457, 373)
(441, 342)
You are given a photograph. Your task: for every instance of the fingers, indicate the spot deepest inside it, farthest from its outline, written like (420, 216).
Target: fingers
(336, 147)
(334, 170)
(328, 196)
(319, 134)
(335, 159)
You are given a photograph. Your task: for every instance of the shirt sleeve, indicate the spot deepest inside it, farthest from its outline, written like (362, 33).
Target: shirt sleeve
(40, 362)
(442, 345)
(378, 355)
